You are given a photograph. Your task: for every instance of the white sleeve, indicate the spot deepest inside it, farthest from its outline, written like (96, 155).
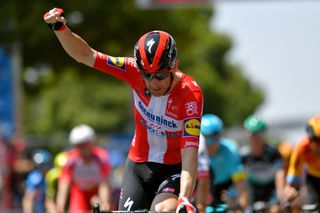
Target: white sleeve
(203, 157)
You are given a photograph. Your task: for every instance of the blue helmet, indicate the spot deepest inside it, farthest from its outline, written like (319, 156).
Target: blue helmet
(211, 124)
(41, 158)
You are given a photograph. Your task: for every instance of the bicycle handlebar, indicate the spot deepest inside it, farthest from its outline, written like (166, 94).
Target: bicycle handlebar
(96, 209)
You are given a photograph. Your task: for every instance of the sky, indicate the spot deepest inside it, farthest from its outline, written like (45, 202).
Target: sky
(277, 45)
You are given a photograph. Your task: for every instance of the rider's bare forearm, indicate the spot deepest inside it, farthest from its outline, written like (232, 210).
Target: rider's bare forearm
(104, 195)
(63, 188)
(76, 47)
(202, 193)
(189, 172)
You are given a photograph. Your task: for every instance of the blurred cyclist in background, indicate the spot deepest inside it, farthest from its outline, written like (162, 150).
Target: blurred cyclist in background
(261, 161)
(306, 153)
(35, 186)
(219, 166)
(285, 148)
(51, 178)
(7, 160)
(85, 174)
(161, 168)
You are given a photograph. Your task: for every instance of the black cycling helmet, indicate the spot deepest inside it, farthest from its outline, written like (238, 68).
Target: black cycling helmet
(313, 128)
(154, 51)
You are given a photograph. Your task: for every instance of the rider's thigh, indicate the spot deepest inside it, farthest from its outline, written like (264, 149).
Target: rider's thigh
(133, 193)
(164, 202)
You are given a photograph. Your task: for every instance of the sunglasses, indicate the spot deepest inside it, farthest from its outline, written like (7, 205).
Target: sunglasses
(158, 76)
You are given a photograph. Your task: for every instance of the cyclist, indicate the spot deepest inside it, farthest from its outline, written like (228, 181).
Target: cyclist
(161, 168)
(306, 152)
(51, 178)
(285, 149)
(261, 161)
(220, 155)
(35, 185)
(85, 174)
(7, 161)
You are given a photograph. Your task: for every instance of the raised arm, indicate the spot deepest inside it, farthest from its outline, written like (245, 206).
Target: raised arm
(73, 44)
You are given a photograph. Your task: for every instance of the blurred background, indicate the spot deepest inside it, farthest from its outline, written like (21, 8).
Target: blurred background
(276, 44)
(249, 57)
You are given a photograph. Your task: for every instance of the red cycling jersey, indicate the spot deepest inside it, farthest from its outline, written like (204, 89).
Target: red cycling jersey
(165, 124)
(85, 177)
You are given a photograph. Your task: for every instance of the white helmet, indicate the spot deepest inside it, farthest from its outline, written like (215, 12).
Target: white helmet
(81, 134)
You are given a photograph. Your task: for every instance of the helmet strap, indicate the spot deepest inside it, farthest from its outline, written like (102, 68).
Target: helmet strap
(170, 85)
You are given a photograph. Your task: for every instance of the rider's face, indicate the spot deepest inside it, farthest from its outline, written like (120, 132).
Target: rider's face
(213, 143)
(315, 146)
(157, 83)
(257, 142)
(84, 149)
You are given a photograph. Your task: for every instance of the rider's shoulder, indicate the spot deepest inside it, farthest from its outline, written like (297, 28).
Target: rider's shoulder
(230, 142)
(188, 83)
(121, 63)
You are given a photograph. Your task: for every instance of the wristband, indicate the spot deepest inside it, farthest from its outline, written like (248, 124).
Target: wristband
(58, 26)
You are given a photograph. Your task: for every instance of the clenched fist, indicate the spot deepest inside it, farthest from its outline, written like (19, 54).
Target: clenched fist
(55, 19)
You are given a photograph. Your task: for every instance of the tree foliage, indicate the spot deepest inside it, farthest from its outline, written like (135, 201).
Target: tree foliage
(63, 93)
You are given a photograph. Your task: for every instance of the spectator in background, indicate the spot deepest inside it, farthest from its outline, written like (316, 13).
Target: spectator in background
(21, 168)
(85, 174)
(51, 178)
(306, 153)
(34, 197)
(220, 156)
(261, 161)
(7, 159)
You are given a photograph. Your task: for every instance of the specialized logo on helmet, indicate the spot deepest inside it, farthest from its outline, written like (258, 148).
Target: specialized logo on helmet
(117, 62)
(150, 44)
(191, 127)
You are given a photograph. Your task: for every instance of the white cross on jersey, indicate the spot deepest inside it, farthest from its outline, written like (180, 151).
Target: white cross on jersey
(157, 124)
